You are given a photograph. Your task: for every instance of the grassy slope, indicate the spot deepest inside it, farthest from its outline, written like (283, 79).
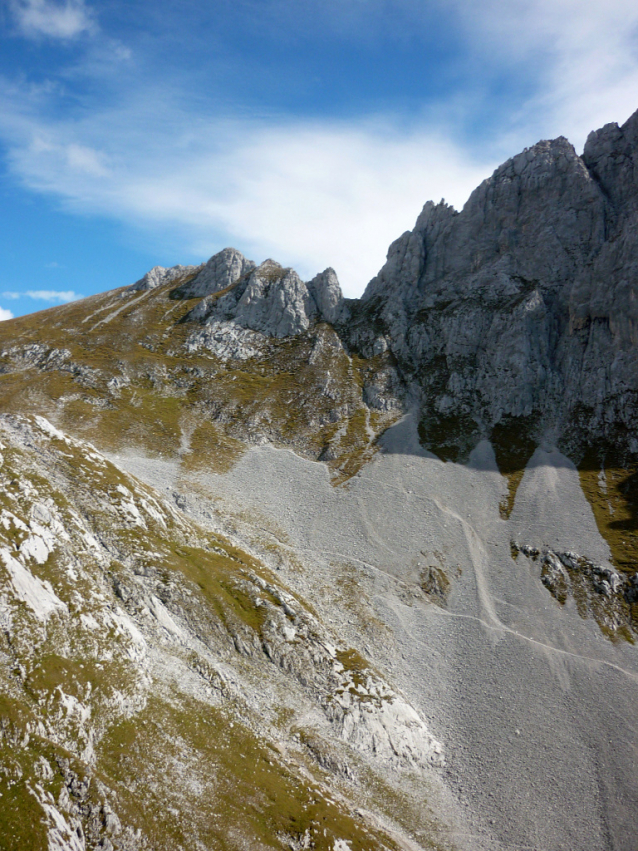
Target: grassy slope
(179, 771)
(175, 403)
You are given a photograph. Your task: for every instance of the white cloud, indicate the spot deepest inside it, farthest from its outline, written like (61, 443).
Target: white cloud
(5, 314)
(310, 194)
(61, 296)
(65, 20)
(580, 56)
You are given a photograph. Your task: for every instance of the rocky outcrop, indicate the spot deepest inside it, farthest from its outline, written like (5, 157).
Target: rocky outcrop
(269, 299)
(232, 291)
(275, 302)
(222, 270)
(522, 306)
(599, 591)
(326, 293)
(159, 276)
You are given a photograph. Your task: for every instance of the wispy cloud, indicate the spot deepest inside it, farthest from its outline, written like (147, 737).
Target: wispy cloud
(62, 296)
(310, 193)
(52, 296)
(317, 192)
(61, 20)
(5, 314)
(579, 56)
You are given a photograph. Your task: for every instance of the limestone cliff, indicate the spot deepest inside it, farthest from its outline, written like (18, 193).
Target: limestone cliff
(522, 306)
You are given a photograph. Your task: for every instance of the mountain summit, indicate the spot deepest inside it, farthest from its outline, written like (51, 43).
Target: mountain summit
(523, 305)
(280, 569)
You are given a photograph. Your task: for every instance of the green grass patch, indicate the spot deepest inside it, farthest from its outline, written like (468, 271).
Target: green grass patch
(450, 437)
(514, 444)
(22, 820)
(243, 792)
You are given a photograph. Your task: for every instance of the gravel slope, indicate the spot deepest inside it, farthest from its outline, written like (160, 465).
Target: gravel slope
(535, 707)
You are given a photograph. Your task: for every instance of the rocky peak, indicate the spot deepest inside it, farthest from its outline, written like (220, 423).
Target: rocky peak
(525, 303)
(221, 271)
(269, 299)
(544, 196)
(611, 156)
(158, 276)
(326, 292)
(406, 255)
(275, 301)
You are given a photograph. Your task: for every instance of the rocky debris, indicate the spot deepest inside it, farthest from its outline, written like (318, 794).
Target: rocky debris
(227, 341)
(383, 389)
(604, 580)
(159, 276)
(47, 359)
(435, 584)
(38, 355)
(85, 805)
(523, 304)
(599, 591)
(116, 384)
(365, 710)
(530, 552)
(100, 623)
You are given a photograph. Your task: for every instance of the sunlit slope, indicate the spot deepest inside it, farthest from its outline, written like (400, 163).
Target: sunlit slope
(122, 368)
(162, 689)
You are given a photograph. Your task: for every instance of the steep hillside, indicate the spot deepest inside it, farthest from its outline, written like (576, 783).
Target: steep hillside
(516, 320)
(280, 569)
(162, 689)
(132, 367)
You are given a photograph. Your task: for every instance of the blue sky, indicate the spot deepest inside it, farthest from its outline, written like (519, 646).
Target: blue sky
(140, 133)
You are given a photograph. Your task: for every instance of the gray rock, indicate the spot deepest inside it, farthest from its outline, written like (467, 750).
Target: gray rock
(269, 299)
(524, 304)
(158, 276)
(326, 292)
(227, 341)
(222, 270)
(275, 302)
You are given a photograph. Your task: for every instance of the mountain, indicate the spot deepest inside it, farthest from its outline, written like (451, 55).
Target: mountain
(280, 569)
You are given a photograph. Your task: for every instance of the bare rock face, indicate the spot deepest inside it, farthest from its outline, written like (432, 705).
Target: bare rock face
(269, 299)
(275, 302)
(158, 276)
(326, 292)
(222, 270)
(523, 305)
